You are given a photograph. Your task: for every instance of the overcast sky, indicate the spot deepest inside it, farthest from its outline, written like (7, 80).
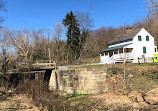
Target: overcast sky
(44, 13)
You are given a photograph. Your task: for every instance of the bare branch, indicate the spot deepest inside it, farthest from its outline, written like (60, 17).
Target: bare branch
(90, 4)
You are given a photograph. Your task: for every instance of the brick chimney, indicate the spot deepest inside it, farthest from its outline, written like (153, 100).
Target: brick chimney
(128, 30)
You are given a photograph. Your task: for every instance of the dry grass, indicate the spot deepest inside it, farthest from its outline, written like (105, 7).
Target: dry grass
(13, 102)
(42, 97)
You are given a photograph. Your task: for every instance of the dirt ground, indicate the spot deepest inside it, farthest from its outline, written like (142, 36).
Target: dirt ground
(119, 100)
(13, 102)
(131, 100)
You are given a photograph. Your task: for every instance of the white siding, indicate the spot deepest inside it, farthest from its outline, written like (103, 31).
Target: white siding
(104, 58)
(138, 45)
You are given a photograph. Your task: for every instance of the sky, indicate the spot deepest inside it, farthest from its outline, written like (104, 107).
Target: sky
(44, 14)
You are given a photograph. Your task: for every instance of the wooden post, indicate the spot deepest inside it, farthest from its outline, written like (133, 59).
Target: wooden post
(144, 59)
(54, 64)
(153, 59)
(138, 61)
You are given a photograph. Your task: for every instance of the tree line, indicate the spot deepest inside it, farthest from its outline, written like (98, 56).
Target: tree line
(81, 41)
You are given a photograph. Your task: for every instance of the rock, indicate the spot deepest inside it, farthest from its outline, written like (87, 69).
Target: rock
(151, 97)
(130, 75)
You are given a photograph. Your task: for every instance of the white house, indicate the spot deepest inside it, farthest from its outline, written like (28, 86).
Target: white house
(133, 46)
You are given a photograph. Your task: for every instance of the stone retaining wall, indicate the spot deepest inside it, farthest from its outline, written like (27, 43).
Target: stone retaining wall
(84, 81)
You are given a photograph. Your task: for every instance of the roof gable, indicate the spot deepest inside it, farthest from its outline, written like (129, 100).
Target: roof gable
(124, 37)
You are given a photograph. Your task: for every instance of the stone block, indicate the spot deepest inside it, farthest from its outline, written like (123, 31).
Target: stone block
(70, 90)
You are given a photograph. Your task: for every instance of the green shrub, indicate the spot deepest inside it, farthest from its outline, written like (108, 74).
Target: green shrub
(74, 95)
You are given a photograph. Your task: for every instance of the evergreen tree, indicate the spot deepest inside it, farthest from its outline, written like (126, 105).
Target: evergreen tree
(73, 35)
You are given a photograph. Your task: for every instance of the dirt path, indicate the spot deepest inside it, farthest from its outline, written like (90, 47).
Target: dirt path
(13, 102)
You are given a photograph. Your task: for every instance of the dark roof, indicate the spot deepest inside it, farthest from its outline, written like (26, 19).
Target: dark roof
(116, 47)
(124, 37)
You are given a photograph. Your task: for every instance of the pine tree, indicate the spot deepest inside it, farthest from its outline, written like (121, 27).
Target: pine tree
(73, 35)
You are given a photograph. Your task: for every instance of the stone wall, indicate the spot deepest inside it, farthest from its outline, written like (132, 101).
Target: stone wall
(84, 81)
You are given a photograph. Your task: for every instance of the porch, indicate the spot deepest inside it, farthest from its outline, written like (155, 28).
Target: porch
(118, 54)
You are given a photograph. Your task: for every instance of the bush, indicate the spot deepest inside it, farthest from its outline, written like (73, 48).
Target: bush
(41, 95)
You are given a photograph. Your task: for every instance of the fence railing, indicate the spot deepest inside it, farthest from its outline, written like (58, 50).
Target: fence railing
(38, 63)
(44, 63)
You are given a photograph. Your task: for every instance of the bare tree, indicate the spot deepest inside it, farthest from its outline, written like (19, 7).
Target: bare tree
(152, 7)
(84, 20)
(59, 47)
(6, 34)
(58, 31)
(98, 40)
(2, 8)
(85, 25)
(40, 45)
(5, 46)
(21, 41)
(90, 4)
(57, 34)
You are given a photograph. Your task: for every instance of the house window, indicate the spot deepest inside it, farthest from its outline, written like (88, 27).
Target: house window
(144, 50)
(147, 38)
(155, 50)
(139, 38)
